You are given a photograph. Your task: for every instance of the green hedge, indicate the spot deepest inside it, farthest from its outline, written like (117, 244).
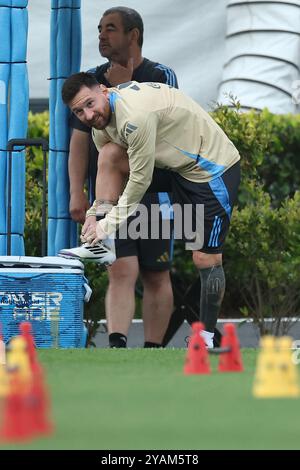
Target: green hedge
(262, 254)
(262, 259)
(38, 126)
(269, 145)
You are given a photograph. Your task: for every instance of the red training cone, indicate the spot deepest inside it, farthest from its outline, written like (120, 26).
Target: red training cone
(196, 361)
(26, 332)
(15, 426)
(40, 404)
(230, 361)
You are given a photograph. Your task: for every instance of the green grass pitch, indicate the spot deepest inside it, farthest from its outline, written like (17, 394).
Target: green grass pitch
(140, 399)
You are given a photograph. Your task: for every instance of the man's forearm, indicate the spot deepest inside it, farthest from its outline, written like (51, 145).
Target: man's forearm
(127, 205)
(77, 173)
(78, 160)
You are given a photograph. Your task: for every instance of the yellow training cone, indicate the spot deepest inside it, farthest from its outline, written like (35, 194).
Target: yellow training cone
(276, 374)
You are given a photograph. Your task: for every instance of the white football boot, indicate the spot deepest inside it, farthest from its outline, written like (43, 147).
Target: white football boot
(102, 253)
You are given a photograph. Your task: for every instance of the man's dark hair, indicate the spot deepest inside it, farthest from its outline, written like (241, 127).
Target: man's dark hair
(74, 83)
(131, 19)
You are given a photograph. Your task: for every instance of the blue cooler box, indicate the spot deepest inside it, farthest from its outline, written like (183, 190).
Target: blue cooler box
(48, 292)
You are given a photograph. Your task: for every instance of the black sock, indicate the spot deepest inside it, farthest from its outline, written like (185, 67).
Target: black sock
(148, 344)
(212, 293)
(117, 340)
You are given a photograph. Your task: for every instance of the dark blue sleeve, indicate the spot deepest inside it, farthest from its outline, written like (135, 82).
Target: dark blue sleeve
(164, 74)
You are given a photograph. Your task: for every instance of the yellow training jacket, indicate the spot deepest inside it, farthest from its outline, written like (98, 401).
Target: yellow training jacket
(161, 126)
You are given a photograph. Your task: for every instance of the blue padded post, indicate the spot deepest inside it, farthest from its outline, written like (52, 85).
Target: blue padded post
(5, 55)
(65, 57)
(14, 102)
(4, 81)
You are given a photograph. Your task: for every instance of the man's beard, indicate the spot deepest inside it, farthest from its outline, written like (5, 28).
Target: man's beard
(101, 123)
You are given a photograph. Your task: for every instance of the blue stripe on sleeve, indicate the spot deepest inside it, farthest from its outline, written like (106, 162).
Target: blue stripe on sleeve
(212, 168)
(112, 100)
(170, 75)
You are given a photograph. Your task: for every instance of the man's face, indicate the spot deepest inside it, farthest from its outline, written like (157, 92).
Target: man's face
(114, 43)
(91, 106)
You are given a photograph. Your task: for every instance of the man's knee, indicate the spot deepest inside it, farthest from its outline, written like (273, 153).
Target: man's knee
(206, 260)
(123, 271)
(155, 280)
(113, 155)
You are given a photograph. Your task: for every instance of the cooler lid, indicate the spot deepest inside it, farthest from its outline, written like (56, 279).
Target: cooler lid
(39, 262)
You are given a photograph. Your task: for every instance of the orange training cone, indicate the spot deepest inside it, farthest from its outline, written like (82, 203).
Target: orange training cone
(196, 361)
(230, 361)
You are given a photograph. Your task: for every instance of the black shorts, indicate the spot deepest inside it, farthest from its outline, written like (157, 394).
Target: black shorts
(216, 197)
(153, 254)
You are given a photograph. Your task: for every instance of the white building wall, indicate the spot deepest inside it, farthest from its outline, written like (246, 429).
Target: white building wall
(262, 60)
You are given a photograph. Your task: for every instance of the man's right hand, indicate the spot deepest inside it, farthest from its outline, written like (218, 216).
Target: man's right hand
(79, 204)
(117, 73)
